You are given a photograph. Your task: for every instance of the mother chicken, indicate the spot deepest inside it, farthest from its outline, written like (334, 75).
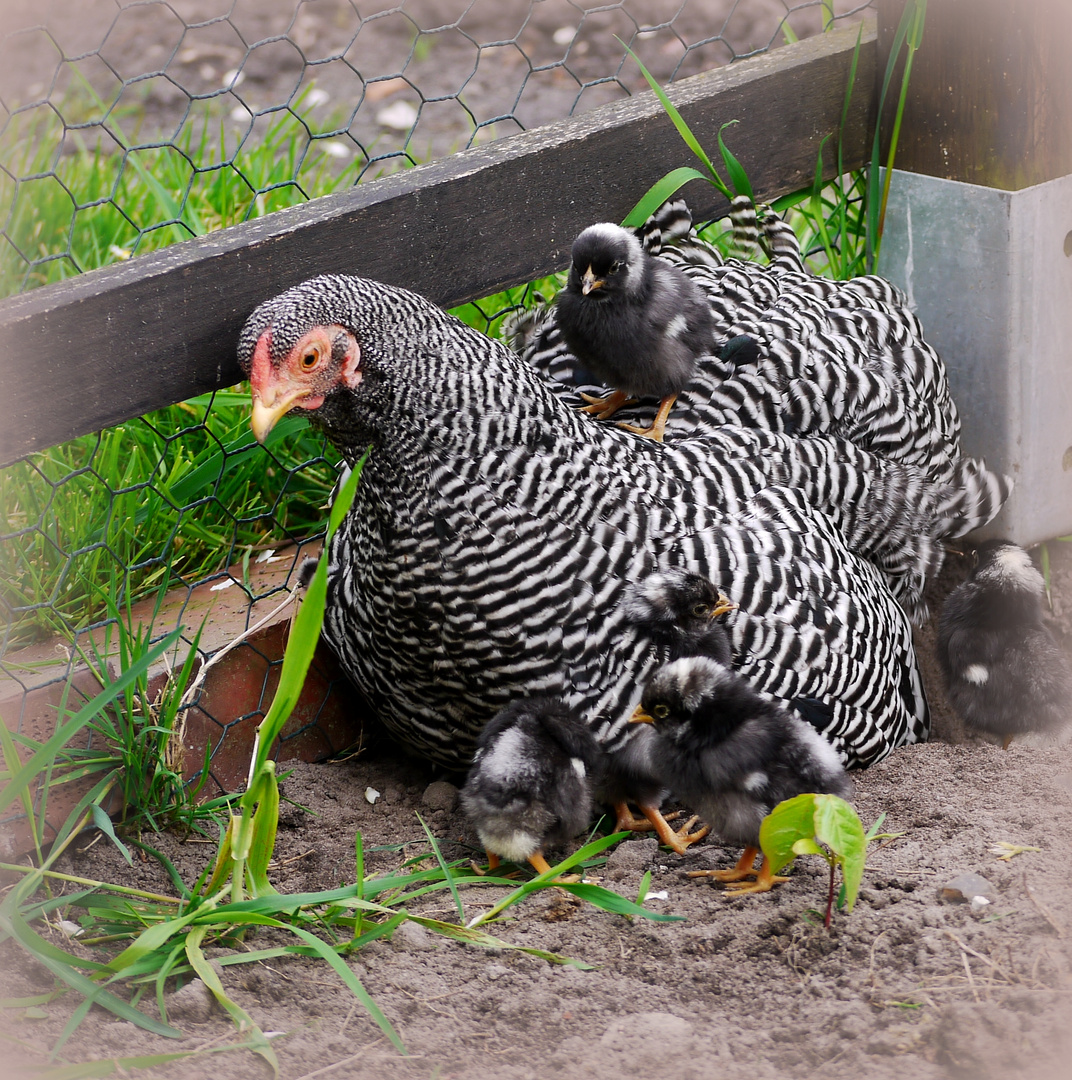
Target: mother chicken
(495, 532)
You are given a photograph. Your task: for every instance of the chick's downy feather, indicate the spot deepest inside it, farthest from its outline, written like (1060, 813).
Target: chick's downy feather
(1004, 672)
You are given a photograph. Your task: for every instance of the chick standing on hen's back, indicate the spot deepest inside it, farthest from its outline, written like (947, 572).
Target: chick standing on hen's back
(1004, 673)
(637, 323)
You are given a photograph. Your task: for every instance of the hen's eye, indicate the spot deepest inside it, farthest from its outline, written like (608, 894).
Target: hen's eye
(309, 360)
(700, 610)
(661, 711)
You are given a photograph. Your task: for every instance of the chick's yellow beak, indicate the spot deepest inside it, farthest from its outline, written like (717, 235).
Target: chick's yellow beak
(641, 717)
(589, 282)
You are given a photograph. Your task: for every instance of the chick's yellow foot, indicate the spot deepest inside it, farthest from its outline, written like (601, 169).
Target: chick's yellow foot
(626, 822)
(677, 841)
(658, 425)
(742, 870)
(765, 881)
(605, 408)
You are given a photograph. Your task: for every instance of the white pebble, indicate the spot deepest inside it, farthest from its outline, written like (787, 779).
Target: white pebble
(336, 149)
(316, 96)
(371, 794)
(564, 35)
(663, 895)
(979, 902)
(71, 929)
(399, 116)
(233, 78)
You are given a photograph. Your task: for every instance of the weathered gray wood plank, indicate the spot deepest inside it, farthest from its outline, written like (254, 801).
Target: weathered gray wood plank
(118, 342)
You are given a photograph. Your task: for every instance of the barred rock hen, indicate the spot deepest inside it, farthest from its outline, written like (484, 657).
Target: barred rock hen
(798, 355)
(495, 531)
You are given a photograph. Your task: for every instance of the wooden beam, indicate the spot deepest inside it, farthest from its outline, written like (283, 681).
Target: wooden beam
(990, 96)
(118, 342)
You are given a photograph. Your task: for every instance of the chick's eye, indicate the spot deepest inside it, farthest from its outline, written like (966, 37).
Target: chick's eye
(615, 267)
(700, 610)
(661, 711)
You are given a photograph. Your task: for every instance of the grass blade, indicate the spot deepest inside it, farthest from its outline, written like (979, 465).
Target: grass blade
(326, 952)
(659, 192)
(242, 1020)
(447, 875)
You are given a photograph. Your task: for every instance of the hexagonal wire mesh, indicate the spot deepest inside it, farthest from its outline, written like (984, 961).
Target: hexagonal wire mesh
(129, 126)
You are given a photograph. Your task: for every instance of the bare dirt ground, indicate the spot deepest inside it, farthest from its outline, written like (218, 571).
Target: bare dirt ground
(420, 78)
(909, 986)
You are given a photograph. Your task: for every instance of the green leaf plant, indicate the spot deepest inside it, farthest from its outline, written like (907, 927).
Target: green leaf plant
(823, 825)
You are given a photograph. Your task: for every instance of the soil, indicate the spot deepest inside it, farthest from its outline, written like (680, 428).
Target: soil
(908, 986)
(391, 81)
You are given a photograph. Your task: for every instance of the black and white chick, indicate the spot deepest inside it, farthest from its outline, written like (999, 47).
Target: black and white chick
(733, 756)
(681, 611)
(1004, 673)
(635, 322)
(531, 782)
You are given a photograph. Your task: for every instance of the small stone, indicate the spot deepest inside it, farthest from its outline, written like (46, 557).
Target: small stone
(964, 887)
(440, 796)
(193, 1003)
(495, 971)
(412, 937)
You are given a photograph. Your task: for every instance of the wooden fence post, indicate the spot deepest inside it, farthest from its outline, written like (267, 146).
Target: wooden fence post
(990, 98)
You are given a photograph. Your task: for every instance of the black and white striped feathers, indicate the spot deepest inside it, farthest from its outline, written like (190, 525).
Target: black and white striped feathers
(495, 531)
(531, 782)
(798, 354)
(1004, 673)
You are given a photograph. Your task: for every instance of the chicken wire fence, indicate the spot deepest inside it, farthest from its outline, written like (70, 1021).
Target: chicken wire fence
(130, 126)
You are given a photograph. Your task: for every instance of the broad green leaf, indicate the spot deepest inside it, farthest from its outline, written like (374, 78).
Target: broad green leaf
(784, 826)
(838, 826)
(804, 846)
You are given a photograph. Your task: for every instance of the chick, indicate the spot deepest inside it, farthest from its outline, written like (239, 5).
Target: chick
(531, 781)
(1004, 673)
(681, 612)
(636, 322)
(733, 756)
